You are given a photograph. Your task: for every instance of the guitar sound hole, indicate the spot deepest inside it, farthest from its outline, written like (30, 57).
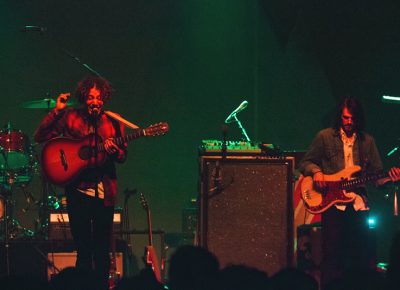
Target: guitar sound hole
(85, 152)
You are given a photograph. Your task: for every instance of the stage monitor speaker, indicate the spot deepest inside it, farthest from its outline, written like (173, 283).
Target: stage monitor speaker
(60, 261)
(246, 211)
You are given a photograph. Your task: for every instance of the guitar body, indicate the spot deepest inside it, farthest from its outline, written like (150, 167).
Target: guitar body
(319, 200)
(150, 255)
(152, 261)
(114, 276)
(64, 158)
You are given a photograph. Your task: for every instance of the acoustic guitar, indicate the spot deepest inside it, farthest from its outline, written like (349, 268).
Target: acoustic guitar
(64, 158)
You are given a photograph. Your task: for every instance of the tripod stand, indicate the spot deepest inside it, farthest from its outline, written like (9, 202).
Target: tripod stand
(6, 220)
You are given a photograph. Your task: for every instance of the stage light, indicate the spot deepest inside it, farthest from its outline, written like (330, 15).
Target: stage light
(372, 222)
(382, 267)
(391, 99)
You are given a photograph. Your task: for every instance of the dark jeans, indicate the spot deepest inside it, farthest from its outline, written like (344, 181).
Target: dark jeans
(345, 243)
(91, 227)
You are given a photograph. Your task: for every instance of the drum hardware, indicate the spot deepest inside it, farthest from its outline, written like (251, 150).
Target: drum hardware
(29, 198)
(50, 202)
(16, 166)
(10, 226)
(6, 219)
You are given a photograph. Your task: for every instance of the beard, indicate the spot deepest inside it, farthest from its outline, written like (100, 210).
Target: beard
(348, 129)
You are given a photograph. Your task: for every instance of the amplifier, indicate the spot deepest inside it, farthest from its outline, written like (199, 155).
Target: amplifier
(246, 210)
(211, 147)
(59, 261)
(59, 225)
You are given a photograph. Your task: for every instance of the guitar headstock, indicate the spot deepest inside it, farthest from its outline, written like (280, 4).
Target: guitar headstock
(143, 201)
(157, 129)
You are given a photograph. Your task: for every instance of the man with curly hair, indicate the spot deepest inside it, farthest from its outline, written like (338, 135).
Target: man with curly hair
(92, 195)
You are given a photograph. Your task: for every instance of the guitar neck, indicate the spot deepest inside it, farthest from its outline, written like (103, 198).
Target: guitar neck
(353, 183)
(150, 227)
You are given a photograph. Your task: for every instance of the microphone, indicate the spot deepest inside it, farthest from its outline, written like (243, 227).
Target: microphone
(96, 111)
(33, 28)
(241, 107)
(392, 151)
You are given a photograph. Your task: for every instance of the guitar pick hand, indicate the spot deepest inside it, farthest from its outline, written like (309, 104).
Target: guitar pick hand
(319, 179)
(111, 147)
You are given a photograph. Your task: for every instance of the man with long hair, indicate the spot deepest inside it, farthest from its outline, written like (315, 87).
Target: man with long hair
(92, 195)
(344, 226)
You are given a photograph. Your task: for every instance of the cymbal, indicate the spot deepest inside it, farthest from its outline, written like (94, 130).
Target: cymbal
(42, 104)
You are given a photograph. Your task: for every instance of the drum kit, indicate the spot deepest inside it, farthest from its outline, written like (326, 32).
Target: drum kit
(19, 164)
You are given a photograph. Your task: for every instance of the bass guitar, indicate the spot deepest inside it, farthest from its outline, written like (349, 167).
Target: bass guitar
(337, 190)
(150, 256)
(64, 158)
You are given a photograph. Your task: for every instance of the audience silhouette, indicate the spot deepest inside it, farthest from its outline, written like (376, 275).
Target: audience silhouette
(195, 268)
(238, 277)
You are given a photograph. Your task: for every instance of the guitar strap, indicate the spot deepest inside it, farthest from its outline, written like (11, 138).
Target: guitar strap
(363, 163)
(122, 120)
(361, 154)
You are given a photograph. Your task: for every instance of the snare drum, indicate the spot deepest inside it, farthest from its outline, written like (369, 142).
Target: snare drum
(15, 155)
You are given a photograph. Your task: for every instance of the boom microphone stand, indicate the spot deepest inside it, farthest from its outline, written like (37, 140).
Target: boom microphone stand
(241, 128)
(233, 118)
(43, 31)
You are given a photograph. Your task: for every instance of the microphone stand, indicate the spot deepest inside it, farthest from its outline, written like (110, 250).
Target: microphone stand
(76, 59)
(66, 52)
(95, 119)
(241, 127)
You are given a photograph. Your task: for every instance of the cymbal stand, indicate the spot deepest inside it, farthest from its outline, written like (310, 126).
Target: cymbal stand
(9, 182)
(395, 204)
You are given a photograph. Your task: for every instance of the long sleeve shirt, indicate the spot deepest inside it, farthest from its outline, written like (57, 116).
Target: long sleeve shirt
(326, 154)
(76, 124)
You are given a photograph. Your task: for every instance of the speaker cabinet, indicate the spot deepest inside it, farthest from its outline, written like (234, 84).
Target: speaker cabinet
(59, 261)
(246, 214)
(59, 228)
